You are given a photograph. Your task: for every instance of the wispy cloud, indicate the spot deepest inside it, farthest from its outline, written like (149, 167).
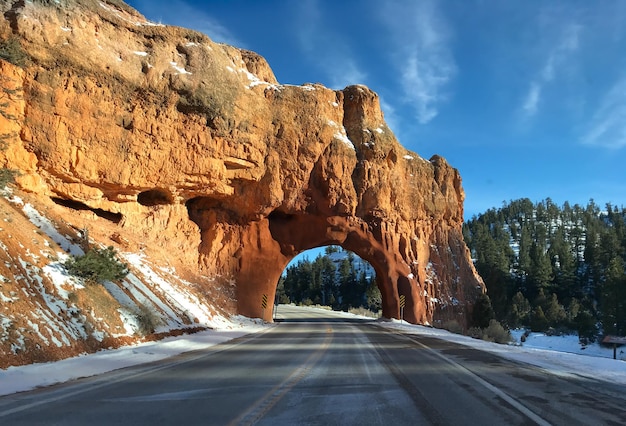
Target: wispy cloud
(186, 14)
(531, 102)
(326, 47)
(607, 127)
(391, 117)
(567, 43)
(216, 31)
(421, 54)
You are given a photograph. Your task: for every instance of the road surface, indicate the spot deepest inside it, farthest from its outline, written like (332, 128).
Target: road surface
(318, 368)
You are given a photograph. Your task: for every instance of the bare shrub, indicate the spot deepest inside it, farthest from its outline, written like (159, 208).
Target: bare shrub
(475, 332)
(7, 176)
(364, 312)
(495, 332)
(452, 326)
(147, 320)
(11, 51)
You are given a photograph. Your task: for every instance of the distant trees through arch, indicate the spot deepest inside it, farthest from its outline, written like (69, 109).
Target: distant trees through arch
(337, 278)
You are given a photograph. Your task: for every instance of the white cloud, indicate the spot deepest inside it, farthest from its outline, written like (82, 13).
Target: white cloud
(421, 54)
(390, 114)
(608, 124)
(557, 58)
(326, 47)
(346, 73)
(532, 99)
(214, 30)
(309, 18)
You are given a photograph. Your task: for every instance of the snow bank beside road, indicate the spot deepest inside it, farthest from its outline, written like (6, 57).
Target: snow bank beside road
(27, 377)
(556, 354)
(561, 355)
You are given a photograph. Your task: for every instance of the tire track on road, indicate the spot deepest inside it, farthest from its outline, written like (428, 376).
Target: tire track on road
(269, 400)
(430, 411)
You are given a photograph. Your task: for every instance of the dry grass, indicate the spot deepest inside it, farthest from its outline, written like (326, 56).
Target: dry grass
(365, 312)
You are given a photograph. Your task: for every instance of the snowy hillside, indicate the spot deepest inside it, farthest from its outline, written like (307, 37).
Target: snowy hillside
(359, 264)
(46, 314)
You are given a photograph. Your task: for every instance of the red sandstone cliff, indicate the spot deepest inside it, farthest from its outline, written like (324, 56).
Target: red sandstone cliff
(194, 152)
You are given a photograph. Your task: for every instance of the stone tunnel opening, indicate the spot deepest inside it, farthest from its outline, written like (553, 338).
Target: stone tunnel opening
(333, 278)
(271, 244)
(254, 254)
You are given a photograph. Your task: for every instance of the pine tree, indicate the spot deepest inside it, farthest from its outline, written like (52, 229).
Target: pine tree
(328, 275)
(538, 321)
(281, 295)
(520, 311)
(563, 262)
(540, 272)
(374, 299)
(482, 312)
(348, 285)
(586, 326)
(554, 312)
(613, 298)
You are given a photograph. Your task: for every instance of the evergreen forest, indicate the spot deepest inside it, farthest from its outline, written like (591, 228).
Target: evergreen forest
(550, 267)
(334, 279)
(546, 268)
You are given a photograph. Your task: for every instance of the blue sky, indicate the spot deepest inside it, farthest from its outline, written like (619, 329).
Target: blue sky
(526, 99)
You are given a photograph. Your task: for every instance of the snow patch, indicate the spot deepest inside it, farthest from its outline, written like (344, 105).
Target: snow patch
(183, 300)
(341, 134)
(48, 228)
(5, 299)
(181, 70)
(126, 17)
(255, 80)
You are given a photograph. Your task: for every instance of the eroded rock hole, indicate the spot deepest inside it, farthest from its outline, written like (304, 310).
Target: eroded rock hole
(206, 212)
(155, 197)
(77, 205)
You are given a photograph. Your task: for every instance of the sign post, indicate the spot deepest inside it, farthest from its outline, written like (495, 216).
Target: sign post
(402, 303)
(616, 340)
(263, 305)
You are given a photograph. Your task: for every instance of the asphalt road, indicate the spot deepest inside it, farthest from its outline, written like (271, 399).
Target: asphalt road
(315, 368)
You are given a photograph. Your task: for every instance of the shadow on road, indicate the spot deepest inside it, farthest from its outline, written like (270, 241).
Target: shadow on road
(327, 319)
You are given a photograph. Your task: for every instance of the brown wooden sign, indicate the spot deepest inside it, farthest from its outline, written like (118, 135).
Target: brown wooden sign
(619, 340)
(616, 340)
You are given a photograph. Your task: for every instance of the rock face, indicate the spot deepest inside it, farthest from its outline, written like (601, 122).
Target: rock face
(194, 147)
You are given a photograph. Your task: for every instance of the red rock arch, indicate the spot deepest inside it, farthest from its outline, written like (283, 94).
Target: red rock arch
(265, 171)
(350, 185)
(261, 249)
